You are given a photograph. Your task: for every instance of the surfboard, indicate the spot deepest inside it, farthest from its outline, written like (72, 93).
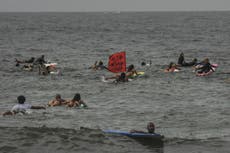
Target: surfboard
(50, 64)
(214, 66)
(134, 135)
(176, 70)
(111, 80)
(139, 74)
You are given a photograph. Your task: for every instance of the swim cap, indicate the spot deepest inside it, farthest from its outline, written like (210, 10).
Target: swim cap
(21, 99)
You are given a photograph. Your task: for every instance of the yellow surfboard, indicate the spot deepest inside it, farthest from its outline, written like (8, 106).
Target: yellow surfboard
(138, 74)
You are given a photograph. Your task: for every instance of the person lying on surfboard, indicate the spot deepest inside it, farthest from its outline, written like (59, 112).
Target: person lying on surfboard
(30, 61)
(57, 101)
(41, 60)
(123, 77)
(181, 61)
(150, 127)
(76, 102)
(99, 66)
(206, 67)
(21, 107)
(172, 68)
(131, 71)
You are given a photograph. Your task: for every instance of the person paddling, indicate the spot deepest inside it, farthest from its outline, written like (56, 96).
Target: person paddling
(172, 68)
(57, 101)
(76, 101)
(206, 67)
(21, 107)
(150, 129)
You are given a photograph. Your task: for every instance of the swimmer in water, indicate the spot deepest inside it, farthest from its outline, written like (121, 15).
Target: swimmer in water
(150, 128)
(21, 107)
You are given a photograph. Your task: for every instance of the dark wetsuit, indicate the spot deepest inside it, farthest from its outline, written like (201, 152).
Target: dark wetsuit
(40, 60)
(189, 64)
(30, 60)
(206, 68)
(181, 60)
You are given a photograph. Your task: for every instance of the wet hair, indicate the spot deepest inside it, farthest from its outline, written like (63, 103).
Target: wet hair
(122, 76)
(181, 54)
(21, 99)
(77, 97)
(130, 67)
(100, 63)
(170, 65)
(151, 127)
(58, 96)
(206, 60)
(143, 63)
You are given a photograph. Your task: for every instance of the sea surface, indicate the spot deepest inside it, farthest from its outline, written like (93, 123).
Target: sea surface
(191, 112)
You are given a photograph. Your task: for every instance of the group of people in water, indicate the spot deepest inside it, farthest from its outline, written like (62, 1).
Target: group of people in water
(44, 68)
(120, 77)
(75, 102)
(22, 107)
(200, 67)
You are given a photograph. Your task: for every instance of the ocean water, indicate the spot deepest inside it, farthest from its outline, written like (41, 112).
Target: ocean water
(191, 112)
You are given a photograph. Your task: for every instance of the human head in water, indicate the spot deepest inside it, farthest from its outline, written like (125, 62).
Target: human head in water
(21, 99)
(206, 60)
(151, 127)
(171, 65)
(122, 77)
(58, 96)
(32, 58)
(181, 54)
(77, 97)
(130, 67)
(100, 63)
(143, 63)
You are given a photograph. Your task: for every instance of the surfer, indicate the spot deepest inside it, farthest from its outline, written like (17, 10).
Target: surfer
(181, 61)
(150, 127)
(21, 107)
(30, 61)
(131, 71)
(146, 64)
(41, 60)
(123, 77)
(43, 70)
(57, 101)
(76, 102)
(99, 66)
(206, 67)
(172, 68)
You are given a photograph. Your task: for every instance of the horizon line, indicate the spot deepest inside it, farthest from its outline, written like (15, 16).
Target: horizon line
(114, 11)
